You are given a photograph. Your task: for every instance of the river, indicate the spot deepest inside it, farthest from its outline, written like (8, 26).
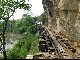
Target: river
(11, 40)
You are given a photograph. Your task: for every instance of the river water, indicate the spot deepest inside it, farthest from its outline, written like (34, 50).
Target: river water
(11, 40)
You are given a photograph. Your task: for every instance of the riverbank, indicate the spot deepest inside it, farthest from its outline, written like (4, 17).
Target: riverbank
(11, 40)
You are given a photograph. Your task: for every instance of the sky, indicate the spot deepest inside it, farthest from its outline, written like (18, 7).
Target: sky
(36, 9)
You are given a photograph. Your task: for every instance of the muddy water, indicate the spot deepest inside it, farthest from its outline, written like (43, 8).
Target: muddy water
(11, 40)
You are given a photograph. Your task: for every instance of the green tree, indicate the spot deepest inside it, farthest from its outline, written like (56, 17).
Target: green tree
(7, 9)
(25, 25)
(24, 46)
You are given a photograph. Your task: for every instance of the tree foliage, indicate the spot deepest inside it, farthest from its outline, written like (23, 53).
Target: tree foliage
(25, 46)
(24, 25)
(8, 7)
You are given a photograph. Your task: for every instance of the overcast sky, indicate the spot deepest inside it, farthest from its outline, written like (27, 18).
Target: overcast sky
(36, 9)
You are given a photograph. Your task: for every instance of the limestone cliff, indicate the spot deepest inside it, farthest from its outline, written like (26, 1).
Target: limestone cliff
(67, 12)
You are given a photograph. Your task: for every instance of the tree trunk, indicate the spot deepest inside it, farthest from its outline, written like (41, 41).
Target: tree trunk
(4, 51)
(3, 35)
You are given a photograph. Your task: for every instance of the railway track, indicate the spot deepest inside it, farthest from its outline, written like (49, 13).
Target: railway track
(53, 47)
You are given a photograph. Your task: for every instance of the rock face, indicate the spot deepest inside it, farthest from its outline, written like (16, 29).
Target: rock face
(49, 10)
(67, 12)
